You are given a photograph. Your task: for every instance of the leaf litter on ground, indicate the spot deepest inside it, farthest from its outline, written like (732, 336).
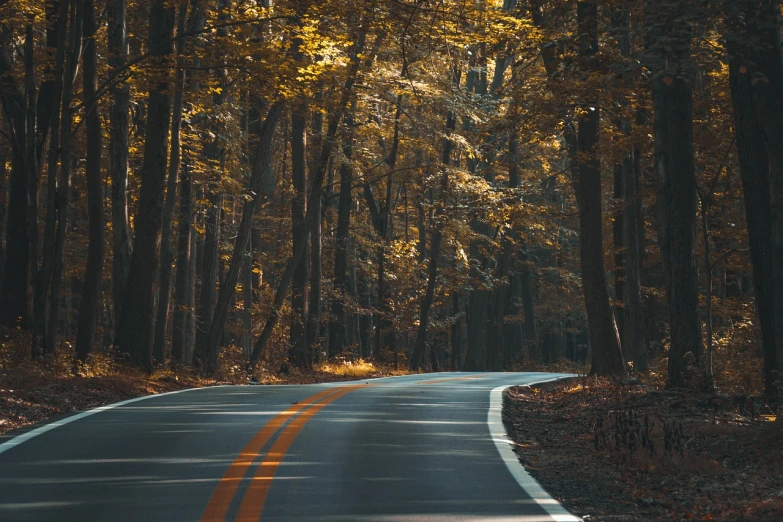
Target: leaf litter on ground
(611, 451)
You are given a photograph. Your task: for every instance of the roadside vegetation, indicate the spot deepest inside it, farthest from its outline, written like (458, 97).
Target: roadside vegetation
(40, 390)
(613, 451)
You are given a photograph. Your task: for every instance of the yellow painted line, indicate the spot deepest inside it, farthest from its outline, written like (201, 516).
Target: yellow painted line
(438, 381)
(221, 499)
(255, 496)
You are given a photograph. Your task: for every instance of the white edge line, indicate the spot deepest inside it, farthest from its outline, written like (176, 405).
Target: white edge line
(503, 444)
(24, 437)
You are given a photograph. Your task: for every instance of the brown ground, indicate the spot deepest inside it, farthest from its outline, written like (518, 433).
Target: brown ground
(635, 452)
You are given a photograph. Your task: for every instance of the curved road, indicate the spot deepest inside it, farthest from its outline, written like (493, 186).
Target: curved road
(415, 448)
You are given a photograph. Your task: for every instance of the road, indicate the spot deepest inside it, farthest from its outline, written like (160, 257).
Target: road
(420, 448)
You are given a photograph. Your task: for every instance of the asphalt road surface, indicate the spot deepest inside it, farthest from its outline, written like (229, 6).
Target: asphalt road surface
(417, 448)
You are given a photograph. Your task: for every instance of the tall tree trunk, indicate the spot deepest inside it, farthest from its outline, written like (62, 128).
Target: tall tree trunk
(337, 324)
(118, 153)
(417, 360)
(528, 307)
(185, 261)
(29, 120)
(629, 318)
(478, 298)
(478, 312)
(88, 312)
(314, 306)
(681, 176)
(418, 356)
(606, 354)
(673, 104)
(14, 290)
(755, 172)
(298, 337)
(31, 158)
(3, 209)
(44, 275)
(189, 342)
(621, 30)
(246, 339)
(135, 327)
(384, 227)
(498, 357)
(261, 168)
(764, 30)
(316, 179)
(209, 279)
(64, 189)
(619, 253)
(633, 327)
(514, 333)
(166, 248)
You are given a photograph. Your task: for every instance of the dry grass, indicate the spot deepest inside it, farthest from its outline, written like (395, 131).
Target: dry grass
(359, 369)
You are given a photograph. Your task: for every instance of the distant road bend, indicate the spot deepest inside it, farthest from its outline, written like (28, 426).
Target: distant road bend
(418, 448)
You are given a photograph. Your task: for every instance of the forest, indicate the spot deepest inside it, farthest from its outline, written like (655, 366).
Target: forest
(470, 185)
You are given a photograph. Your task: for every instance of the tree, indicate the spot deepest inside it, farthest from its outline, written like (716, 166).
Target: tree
(92, 278)
(307, 145)
(604, 339)
(754, 163)
(135, 326)
(118, 150)
(672, 96)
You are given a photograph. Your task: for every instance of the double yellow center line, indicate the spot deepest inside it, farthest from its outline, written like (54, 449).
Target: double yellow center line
(255, 496)
(253, 500)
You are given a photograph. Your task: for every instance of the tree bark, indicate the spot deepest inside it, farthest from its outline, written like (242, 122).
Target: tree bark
(189, 344)
(755, 172)
(64, 189)
(683, 291)
(166, 248)
(764, 30)
(14, 290)
(382, 219)
(261, 167)
(135, 327)
(247, 299)
(672, 99)
(118, 153)
(44, 275)
(607, 356)
(88, 312)
(337, 322)
(31, 156)
(184, 289)
(528, 307)
(619, 254)
(633, 327)
(316, 247)
(209, 279)
(420, 346)
(417, 360)
(3, 209)
(498, 356)
(298, 354)
(316, 179)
